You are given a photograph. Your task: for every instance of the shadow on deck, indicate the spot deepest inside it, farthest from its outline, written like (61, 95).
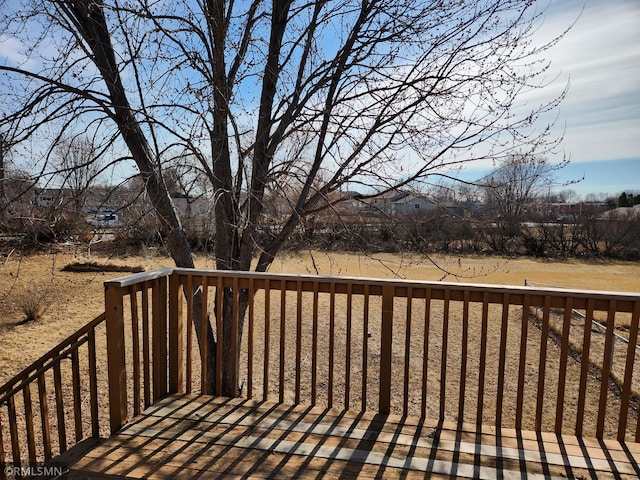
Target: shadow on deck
(186, 436)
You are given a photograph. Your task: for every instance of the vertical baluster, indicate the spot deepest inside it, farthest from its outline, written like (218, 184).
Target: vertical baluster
(146, 341)
(407, 351)
(235, 334)
(347, 366)
(157, 338)
(443, 360)
(160, 338)
(483, 356)
(13, 431)
(522, 360)
(135, 340)
(386, 349)
(584, 367)
(44, 417)
(465, 353)
(219, 333)
(116, 362)
(365, 345)
(189, 327)
(250, 340)
(28, 420)
(606, 368)
(298, 366)
(628, 373)
(93, 383)
(425, 350)
(62, 428)
(314, 347)
(283, 332)
(204, 343)
(564, 357)
(332, 323)
(542, 363)
(77, 397)
(502, 358)
(267, 338)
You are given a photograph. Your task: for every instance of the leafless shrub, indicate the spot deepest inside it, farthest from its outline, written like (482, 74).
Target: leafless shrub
(34, 303)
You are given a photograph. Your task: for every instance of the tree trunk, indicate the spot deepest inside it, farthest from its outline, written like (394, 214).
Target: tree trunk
(2, 175)
(93, 28)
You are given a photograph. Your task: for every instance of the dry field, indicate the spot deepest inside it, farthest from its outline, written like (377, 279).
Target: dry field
(75, 298)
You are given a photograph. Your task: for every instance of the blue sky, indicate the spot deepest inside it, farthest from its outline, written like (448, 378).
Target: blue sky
(600, 117)
(599, 58)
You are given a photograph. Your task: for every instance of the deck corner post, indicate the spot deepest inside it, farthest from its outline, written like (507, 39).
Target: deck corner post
(175, 334)
(160, 341)
(114, 317)
(386, 341)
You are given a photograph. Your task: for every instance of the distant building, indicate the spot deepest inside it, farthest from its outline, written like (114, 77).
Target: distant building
(396, 203)
(48, 197)
(189, 207)
(411, 205)
(383, 203)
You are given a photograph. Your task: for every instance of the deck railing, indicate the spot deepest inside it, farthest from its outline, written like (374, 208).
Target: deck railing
(504, 356)
(462, 352)
(53, 403)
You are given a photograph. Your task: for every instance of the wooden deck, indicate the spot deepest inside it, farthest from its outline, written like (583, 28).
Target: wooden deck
(188, 436)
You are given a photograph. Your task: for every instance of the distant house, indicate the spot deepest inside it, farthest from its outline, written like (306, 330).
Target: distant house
(383, 203)
(190, 207)
(48, 197)
(399, 203)
(411, 205)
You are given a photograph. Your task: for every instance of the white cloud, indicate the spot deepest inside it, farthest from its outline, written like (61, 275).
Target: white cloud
(12, 50)
(600, 56)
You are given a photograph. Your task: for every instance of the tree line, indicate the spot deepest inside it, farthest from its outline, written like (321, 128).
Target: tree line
(506, 212)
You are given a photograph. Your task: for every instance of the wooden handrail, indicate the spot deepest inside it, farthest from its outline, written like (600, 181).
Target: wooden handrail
(138, 278)
(51, 354)
(477, 290)
(25, 435)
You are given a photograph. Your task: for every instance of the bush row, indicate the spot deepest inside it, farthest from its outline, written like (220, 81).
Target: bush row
(578, 236)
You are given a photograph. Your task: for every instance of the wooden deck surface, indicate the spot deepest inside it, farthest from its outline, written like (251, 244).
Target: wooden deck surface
(185, 437)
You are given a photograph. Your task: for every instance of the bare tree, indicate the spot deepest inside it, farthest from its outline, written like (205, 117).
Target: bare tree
(4, 153)
(312, 95)
(512, 194)
(77, 166)
(516, 184)
(16, 186)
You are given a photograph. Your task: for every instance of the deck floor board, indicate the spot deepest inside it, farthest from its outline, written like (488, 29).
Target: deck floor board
(186, 436)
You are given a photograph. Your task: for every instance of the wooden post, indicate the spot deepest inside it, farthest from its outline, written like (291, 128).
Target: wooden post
(116, 358)
(386, 340)
(159, 337)
(175, 334)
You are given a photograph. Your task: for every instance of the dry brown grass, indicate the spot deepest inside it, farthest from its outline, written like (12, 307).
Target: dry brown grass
(79, 297)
